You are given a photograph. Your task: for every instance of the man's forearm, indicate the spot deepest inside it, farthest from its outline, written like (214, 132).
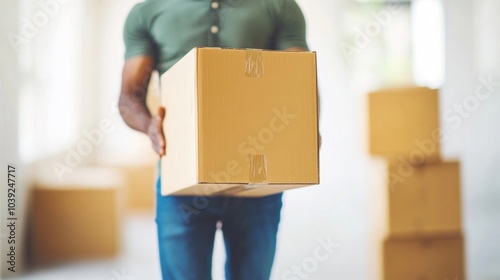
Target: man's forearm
(135, 113)
(132, 103)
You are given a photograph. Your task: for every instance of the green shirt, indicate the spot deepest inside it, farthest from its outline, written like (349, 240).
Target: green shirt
(169, 29)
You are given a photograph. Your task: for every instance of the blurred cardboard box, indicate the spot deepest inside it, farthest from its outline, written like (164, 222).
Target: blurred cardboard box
(139, 170)
(424, 199)
(139, 186)
(240, 122)
(77, 218)
(139, 183)
(404, 123)
(435, 257)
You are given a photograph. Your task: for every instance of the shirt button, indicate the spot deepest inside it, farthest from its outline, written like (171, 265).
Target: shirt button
(214, 29)
(215, 5)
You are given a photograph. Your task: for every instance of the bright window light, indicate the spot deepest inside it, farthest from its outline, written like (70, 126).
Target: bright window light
(428, 42)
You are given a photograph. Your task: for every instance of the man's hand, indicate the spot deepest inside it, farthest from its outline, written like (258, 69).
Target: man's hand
(296, 49)
(155, 132)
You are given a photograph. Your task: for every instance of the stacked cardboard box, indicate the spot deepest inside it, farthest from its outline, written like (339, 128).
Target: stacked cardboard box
(424, 238)
(424, 257)
(139, 183)
(404, 124)
(139, 168)
(240, 123)
(139, 187)
(78, 217)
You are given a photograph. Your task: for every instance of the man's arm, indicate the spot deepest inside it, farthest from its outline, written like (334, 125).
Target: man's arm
(132, 103)
(296, 49)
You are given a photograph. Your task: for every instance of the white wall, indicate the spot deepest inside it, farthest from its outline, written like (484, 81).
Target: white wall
(481, 152)
(9, 78)
(473, 41)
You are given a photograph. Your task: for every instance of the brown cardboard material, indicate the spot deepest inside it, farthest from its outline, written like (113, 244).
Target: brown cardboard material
(140, 187)
(139, 172)
(240, 122)
(425, 199)
(437, 257)
(77, 218)
(404, 122)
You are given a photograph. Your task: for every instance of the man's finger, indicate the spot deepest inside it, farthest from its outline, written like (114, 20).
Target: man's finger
(161, 112)
(155, 148)
(161, 140)
(160, 150)
(159, 124)
(164, 146)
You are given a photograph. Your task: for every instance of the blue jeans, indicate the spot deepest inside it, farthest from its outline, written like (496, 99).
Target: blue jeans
(186, 231)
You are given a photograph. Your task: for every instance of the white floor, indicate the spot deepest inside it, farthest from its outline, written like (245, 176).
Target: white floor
(299, 234)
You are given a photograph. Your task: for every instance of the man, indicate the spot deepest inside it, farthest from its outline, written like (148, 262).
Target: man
(157, 34)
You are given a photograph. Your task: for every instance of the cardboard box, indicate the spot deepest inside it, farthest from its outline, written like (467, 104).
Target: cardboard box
(404, 123)
(139, 181)
(77, 218)
(139, 169)
(424, 199)
(430, 257)
(140, 186)
(240, 122)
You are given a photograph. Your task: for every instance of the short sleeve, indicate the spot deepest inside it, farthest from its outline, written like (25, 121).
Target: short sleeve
(291, 26)
(136, 35)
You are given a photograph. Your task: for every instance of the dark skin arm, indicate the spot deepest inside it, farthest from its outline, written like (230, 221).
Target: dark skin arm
(132, 103)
